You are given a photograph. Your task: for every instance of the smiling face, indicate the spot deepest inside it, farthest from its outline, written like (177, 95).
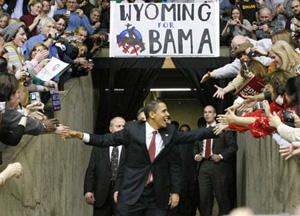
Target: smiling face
(95, 16)
(61, 25)
(4, 21)
(81, 36)
(20, 37)
(36, 9)
(235, 14)
(158, 118)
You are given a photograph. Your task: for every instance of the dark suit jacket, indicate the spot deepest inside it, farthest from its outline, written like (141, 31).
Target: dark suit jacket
(225, 145)
(137, 164)
(98, 174)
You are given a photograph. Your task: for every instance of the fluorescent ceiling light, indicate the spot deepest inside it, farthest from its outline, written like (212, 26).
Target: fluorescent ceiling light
(160, 89)
(171, 89)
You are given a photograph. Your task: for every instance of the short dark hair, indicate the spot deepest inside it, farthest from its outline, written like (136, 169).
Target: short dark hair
(57, 17)
(184, 125)
(8, 86)
(151, 106)
(139, 111)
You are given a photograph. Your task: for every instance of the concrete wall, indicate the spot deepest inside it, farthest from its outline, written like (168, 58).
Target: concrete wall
(54, 169)
(185, 111)
(265, 182)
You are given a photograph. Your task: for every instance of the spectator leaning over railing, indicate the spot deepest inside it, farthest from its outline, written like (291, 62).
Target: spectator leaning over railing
(14, 112)
(232, 69)
(285, 62)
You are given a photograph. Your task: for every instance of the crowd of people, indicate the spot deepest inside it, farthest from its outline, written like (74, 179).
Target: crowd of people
(157, 167)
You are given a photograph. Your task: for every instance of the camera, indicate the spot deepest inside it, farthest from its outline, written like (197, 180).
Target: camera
(288, 118)
(54, 36)
(100, 39)
(27, 78)
(251, 54)
(34, 97)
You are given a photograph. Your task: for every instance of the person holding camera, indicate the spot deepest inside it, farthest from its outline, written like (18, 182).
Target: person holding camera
(236, 25)
(293, 24)
(263, 28)
(289, 133)
(14, 114)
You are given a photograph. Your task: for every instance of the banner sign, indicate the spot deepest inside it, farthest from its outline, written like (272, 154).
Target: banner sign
(164, 29)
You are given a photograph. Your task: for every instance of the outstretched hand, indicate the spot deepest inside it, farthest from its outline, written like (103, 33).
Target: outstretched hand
(274, 120)
(226, 118)
(220, 127)
(220, 93)
(205, 77)
(68, 134)
(248, 104)
(290, 151)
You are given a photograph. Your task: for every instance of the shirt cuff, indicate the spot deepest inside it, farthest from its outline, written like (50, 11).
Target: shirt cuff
(221, 156)
(86, 138)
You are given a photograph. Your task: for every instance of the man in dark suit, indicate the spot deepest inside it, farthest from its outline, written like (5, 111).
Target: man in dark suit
(101, 174)
(216, 157)
(150, 177)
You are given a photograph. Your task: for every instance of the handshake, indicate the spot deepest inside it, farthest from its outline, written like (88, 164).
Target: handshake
(67, 133)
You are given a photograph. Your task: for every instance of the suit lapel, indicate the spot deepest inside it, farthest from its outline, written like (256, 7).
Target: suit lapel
(142, 139)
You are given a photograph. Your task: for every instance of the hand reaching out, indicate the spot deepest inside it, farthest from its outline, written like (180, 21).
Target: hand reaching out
(290, 151)
(220, 127)
(274, 120)
(205, 77)
(173, 200)
(220, 93)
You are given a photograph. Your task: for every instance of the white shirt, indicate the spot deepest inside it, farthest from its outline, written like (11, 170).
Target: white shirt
(110, 151)
(158, 140)
(18, 10)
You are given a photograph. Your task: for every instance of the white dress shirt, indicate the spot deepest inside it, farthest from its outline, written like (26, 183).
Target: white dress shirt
(119, 153)
(205, 141)
(158, 140)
